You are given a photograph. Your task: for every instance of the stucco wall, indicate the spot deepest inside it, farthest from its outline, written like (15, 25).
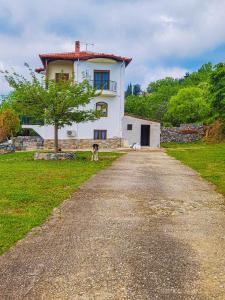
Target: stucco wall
(85, 69)
(111, 123)
(134, 135)
(59, 66)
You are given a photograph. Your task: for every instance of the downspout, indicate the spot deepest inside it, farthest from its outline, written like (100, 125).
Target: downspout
(120, 115)
(78, 60)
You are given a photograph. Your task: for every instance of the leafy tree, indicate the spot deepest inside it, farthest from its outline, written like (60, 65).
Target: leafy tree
(138, 105)
(217, 89)
(188, 106)
(5, 104)
(137, 90)
(129, 90)
(163, 84)
(160, 93)
(9, 124)
(61, 103)
(198, 77)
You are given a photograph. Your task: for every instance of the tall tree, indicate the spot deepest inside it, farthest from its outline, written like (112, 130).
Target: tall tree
(61, 103)
(217, 89)
(129, 90)
(137, 89)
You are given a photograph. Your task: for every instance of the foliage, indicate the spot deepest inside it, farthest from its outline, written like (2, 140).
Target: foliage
(198, 77)
(29, 190)
(9, 124)
(217, 89)
(138, 105)
(129, 90)
(188, 106)
(153, 104)
(208, 80)
(137, 90)
(161, 91)
(163, 84)
(5, 104)
(60, 104)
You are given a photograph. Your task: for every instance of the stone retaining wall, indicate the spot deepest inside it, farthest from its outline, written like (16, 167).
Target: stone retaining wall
(84, 143)
(184, 134)
(28, 142)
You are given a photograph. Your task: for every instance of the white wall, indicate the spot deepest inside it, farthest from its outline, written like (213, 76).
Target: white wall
(112, 123)
(134, 135)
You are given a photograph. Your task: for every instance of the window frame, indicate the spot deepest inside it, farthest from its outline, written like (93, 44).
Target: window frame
(65, 76)
(102, 103)
(130, 127)
(101, 80)
(99, 134)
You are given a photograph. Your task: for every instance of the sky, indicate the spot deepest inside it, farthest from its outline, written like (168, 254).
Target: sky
(163, 37)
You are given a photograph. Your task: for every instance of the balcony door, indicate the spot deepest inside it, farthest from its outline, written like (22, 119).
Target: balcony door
(101, 80)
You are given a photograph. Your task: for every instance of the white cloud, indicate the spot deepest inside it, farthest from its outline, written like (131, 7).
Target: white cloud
(147, 74)
(149, 31)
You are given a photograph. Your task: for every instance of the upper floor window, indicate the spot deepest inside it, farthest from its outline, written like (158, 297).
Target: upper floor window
(61, 76)
(101, 79)
(103, 107)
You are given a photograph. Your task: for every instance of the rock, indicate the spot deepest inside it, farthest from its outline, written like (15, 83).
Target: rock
(54, 156)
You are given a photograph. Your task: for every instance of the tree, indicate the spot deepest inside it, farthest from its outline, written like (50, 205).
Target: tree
(138, 105)
(5, 103)
(217, 89)
(137, 89)
(195, 78)
(129, 90)
(188, 106)
(9, 124)
(61, 103)
(160, 93)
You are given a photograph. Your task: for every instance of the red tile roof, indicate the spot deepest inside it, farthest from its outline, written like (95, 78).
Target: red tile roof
(83, 55)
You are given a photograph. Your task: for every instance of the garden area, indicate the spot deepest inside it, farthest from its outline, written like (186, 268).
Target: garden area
(208, 159)
(30, 189)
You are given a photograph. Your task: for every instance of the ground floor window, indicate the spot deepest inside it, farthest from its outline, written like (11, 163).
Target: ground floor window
(129, 126)
(100, 134)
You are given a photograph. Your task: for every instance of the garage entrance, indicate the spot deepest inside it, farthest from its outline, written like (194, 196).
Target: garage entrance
(145, 135)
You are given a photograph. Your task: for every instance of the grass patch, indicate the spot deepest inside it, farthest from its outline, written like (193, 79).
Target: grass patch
(29, 189)
(206, 158)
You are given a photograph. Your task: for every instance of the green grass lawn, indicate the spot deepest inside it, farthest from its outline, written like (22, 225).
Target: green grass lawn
(207, 159)
(29, 189)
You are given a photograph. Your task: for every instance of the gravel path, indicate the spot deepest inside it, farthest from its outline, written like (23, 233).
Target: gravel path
(145, 228)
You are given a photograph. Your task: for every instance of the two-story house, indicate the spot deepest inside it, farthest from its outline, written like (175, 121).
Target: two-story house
(106, 73)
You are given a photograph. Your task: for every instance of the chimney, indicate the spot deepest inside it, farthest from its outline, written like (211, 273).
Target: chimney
(77, 46)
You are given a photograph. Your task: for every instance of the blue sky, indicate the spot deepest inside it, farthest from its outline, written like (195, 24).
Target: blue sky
(164, 38)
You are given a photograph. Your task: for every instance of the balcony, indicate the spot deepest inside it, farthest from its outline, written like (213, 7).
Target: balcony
(105, 87)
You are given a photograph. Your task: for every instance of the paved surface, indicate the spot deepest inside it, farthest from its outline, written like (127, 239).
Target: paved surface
(146, 228)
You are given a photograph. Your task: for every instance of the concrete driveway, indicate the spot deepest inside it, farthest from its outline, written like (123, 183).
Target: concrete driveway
(145, 228)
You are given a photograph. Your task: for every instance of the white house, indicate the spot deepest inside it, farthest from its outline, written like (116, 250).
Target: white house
(105, 72)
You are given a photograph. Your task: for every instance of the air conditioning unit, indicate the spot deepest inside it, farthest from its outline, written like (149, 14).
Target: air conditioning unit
(71, 133)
